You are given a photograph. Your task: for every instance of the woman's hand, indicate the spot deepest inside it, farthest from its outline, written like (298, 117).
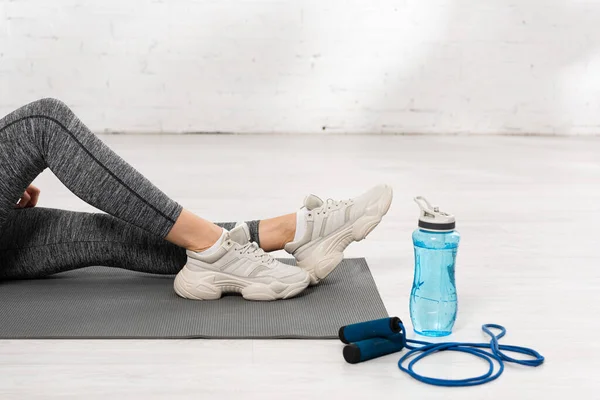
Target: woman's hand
(29, 198)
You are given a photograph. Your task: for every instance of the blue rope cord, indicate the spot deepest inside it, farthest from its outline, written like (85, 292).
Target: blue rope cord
(493, 354)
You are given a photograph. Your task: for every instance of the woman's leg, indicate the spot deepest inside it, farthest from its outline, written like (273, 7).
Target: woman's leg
(46, 133)
(37, 242)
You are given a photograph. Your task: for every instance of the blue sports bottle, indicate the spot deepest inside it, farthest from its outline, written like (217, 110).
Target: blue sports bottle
(433, 302)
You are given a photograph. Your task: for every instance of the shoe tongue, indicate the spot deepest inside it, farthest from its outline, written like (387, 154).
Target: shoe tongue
(240, 234)
(311, 202)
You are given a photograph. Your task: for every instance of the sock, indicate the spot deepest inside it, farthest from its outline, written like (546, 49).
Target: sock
(300, 224)
(252, 227)
(212, 249)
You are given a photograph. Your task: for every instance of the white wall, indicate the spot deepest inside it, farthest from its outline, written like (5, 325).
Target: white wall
(441, 66)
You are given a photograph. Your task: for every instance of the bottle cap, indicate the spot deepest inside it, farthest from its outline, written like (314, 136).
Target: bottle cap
(432, 219)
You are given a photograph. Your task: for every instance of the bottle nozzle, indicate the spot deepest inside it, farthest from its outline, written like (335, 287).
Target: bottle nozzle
(424, 205)
(432, 218)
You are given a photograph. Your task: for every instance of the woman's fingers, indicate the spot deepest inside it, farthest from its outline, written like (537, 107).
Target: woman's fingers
(34, 194)
(30, 197)
(24, 200)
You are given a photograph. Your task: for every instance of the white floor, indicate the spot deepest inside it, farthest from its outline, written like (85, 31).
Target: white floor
(528, 210)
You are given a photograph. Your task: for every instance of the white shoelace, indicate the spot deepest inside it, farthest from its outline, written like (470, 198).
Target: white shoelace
(333, 205)
(251, 248)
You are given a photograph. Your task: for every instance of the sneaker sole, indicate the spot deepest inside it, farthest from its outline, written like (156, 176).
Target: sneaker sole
(330, 252)
(210, 285)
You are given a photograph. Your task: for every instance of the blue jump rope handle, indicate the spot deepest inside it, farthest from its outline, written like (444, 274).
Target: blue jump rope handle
(379, 328)
(372, 348)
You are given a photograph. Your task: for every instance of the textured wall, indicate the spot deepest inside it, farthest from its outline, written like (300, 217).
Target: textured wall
(439, 66)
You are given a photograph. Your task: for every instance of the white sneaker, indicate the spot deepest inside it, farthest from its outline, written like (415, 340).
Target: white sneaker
(238, 266)
(333, 225)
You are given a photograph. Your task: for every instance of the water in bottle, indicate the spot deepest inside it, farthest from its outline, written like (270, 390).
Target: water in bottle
(433, 302)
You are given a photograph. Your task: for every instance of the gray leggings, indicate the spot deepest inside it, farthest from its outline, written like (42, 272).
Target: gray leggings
(36, 242)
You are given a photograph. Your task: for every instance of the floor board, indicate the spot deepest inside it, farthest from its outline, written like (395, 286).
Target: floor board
(528, 211)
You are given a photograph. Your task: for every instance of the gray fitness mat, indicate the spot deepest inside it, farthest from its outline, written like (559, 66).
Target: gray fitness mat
(101, 302)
